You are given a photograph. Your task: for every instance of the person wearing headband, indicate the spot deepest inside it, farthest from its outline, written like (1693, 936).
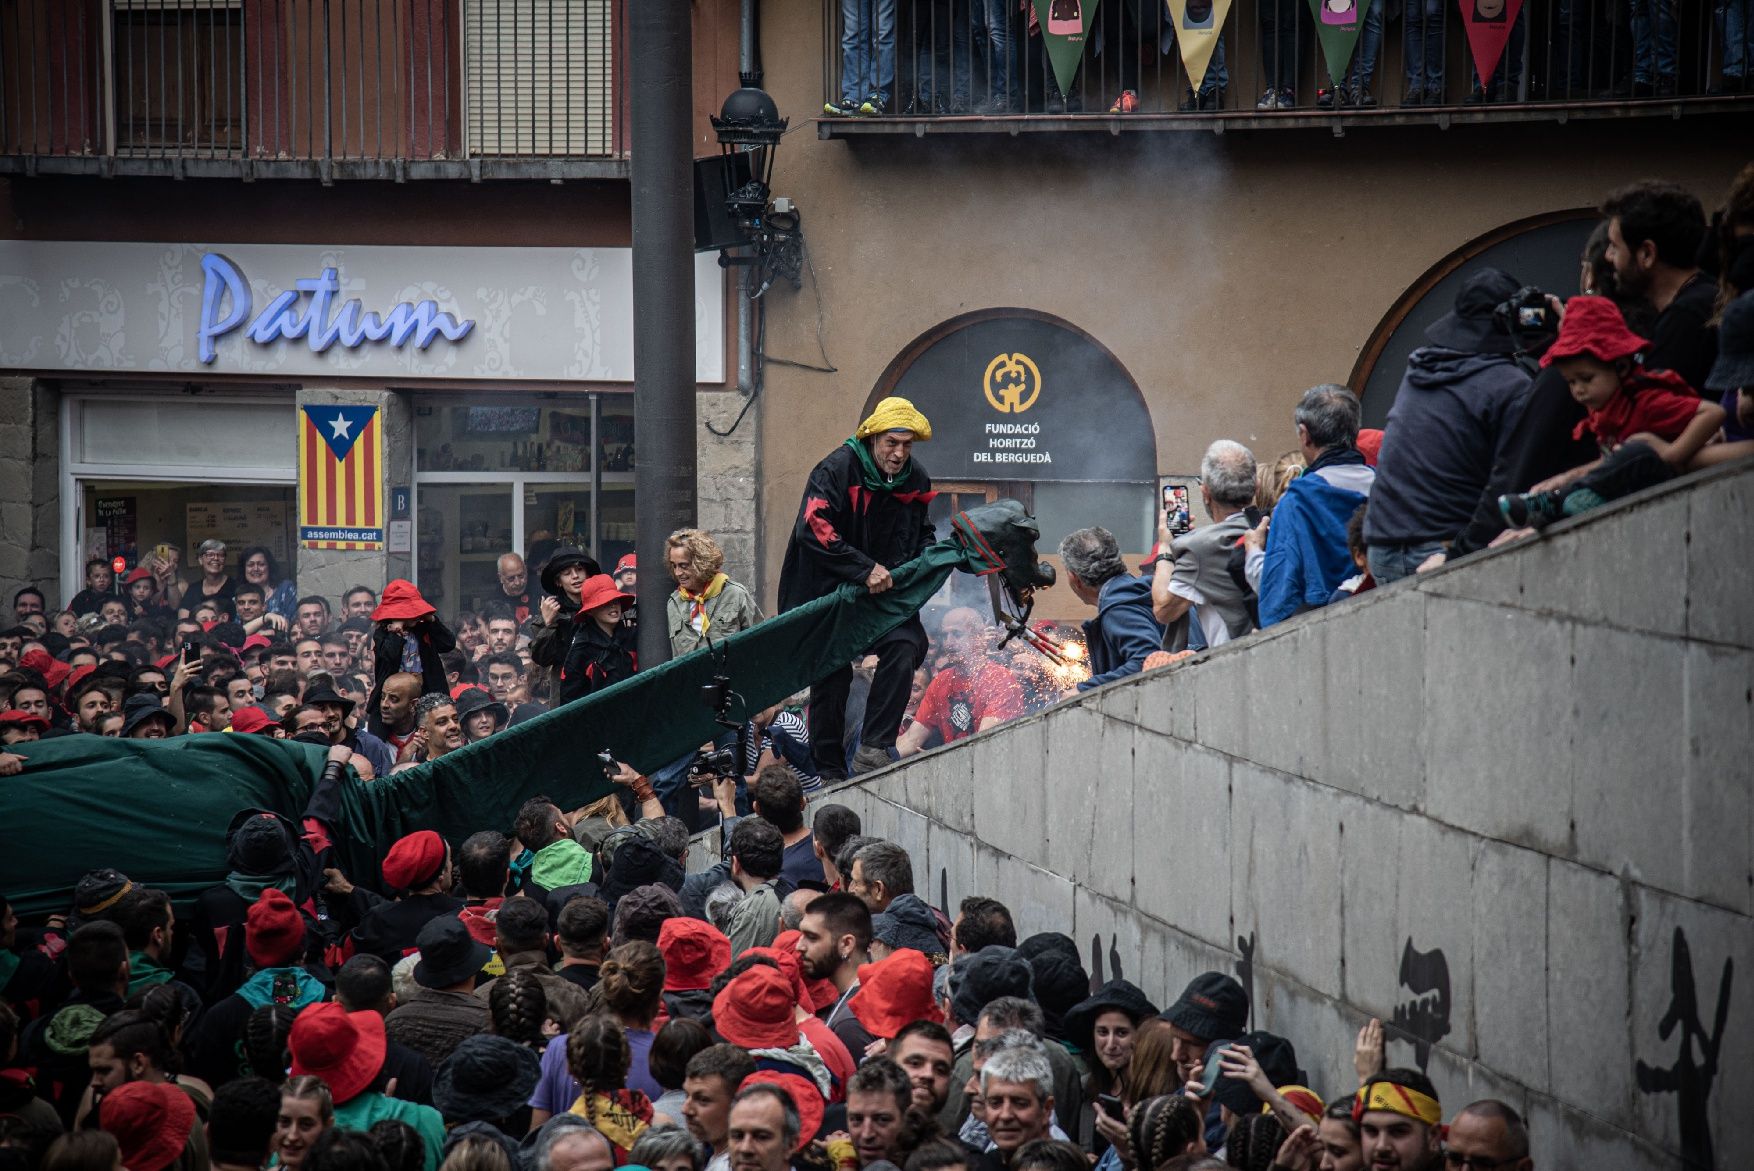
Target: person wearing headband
(1400, 1121)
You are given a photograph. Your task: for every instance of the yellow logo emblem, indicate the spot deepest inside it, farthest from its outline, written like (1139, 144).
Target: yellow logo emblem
(1012, 383)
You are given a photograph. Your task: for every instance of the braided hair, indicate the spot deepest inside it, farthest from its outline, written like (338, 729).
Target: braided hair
(1254, 1142)
(519, 1007)
(1162, 1128)
(597, 1055)
(265, 1041)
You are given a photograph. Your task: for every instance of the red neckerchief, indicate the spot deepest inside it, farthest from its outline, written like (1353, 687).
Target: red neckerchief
(1609, 423)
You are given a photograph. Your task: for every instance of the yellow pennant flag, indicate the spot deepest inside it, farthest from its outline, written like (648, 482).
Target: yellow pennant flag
(1198, 24)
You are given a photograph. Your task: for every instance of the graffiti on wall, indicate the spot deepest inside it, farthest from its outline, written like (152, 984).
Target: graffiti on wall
(1695, 1068)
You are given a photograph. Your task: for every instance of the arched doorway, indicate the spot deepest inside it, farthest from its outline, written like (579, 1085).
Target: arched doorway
(1028, 405)
(1539, 250)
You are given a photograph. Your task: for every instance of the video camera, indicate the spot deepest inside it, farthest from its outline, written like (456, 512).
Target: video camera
(720, 763)
(1527, 319)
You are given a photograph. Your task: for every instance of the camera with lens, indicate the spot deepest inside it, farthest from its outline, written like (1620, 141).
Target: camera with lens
(1527, 318)
(720, 762)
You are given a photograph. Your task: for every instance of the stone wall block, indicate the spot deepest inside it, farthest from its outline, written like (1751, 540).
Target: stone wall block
(1285, 838)
(1181, 837)
(1720, 520)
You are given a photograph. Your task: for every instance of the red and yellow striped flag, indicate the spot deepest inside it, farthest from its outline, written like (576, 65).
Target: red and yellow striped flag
(340, 477)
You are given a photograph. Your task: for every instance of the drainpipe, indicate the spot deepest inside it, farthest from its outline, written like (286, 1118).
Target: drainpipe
(748, 74)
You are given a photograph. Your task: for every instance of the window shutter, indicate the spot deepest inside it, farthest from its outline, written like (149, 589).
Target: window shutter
(540, 77)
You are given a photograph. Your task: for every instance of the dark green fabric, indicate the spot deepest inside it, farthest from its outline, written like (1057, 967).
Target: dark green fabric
(874, 477)
(157, 810)
(145, 972)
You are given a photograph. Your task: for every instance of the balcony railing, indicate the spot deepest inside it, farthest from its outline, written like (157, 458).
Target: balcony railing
(981, 66)
(399, 89)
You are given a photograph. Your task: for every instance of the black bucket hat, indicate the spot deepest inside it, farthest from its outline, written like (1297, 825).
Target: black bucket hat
(993, 971)
(1213, 1007)
(326, 694)
(1472, 326)
(449, 955)
(140, 708)
(1121, 996)
(564, 556)
(485, 1079)
(473, 699)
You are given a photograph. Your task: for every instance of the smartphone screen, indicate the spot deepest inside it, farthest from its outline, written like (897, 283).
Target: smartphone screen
(1175, 509)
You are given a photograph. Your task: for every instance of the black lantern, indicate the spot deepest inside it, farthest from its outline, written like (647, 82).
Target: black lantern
(749, 129)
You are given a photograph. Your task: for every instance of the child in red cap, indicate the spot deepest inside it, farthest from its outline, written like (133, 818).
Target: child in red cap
(1649, 424)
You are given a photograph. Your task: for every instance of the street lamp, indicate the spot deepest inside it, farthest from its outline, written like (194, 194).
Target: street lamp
(749, 129)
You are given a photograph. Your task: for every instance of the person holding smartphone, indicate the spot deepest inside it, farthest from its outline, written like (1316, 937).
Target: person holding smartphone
(1192, 586)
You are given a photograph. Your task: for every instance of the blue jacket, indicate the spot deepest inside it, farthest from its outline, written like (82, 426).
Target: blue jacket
(1306, 556)
(1123, 631)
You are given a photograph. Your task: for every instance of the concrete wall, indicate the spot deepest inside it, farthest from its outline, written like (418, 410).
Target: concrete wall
(30, 490)
(1487, 806)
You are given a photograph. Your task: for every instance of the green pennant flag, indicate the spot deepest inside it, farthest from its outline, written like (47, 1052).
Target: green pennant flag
(157, 810)
(1338, 23)
(1064, 24)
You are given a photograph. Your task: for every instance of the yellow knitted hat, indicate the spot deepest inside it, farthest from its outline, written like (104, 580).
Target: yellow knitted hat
(894, 414)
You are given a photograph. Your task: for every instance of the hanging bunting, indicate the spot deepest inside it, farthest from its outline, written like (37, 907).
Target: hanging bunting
(1064, 24)
(1488, 24)
(1338, 23)
(1198, 24)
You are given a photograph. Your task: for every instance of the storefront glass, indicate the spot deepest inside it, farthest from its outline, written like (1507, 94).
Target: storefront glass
(518, 475)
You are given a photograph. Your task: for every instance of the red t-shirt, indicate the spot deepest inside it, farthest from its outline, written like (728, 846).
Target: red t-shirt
(954, 708)
(1657, 401)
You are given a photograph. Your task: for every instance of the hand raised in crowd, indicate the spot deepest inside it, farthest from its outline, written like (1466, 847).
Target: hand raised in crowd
(11, 764)
(1300, 1151)
(336, 882)
(1238, 1061)
(339, 754)
(878, 579)
(1256, 538)
(412, 750)
(550, 607)
(1367, 1053)
(625, 774)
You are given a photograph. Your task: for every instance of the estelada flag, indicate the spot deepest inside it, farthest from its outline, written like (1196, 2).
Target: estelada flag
(1198, 24)
(1488, 24)
(340, 477)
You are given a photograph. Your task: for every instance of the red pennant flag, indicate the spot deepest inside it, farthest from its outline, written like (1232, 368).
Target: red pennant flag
(219, 934)
(1488, 24)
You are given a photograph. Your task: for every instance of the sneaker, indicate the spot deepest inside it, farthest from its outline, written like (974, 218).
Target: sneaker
(1189, 102)
(1212, 99)
(924, 107)
(1269, 100)
(1287, 99)
(868, 759)
(1363, 99)
(1327, 99)
(844, 108)
(1526, 510)
(1127, 103)
(871, 107)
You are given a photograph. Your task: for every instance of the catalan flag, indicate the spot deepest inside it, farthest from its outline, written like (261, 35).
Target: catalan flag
(340, 477)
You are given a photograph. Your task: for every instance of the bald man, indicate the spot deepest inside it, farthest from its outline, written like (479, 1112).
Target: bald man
(514, 585)
(970, 695)
(392, 712)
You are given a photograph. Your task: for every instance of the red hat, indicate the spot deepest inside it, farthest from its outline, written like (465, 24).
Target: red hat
(1593, 326)
(755, 1010)
(345, 1049)
(628, 561)
(151, 1122)
(24, 719)
(1370, 444)
(274, 931)
(401, 600)
(251, 719)
(414, 860)
(694, 952)
(822, 991)
(790, 967)
(805, 1096)
(256, 640)
(598, 591)
(141, 573)
(164, 661)
(53, 670)
(78, 675)
(894, 993)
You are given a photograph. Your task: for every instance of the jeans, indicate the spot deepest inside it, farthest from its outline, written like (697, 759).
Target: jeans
(941, 55)
(1422, 41)
(1279, 41)
(1393, 562)
(1510, 65)
(1363, 66)
(867, 50)
(990, 50)
(1734, 30)
(1653, 40)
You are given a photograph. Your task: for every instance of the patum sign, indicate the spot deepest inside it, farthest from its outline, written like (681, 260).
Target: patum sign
(318, 321)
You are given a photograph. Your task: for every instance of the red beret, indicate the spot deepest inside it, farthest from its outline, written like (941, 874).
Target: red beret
(274, 931)
(414, 861)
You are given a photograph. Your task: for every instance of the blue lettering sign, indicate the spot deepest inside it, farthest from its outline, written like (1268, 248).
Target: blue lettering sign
(316, 321)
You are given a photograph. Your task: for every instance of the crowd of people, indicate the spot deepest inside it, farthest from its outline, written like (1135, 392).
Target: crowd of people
(953, 57)
(557, 993)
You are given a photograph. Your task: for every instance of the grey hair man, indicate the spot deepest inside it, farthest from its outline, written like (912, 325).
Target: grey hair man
(1124, 630)
(1302, 546)
(1191, 573)
(882, 872)
(567, 1142)
(1017, 1097)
